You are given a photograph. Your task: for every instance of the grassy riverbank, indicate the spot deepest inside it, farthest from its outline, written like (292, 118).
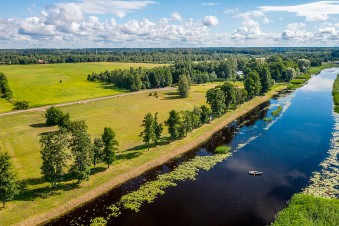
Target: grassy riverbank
(308, 210)
(39, 203)
(300, 81)
(335, 94)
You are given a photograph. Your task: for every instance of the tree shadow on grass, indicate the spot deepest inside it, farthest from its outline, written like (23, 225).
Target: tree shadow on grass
(130, 155)
(163, 141)
(172, 96)
(98, 169)
(41, 192)
(39, 125)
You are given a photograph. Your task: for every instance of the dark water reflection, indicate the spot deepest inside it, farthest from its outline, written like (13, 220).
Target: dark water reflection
(287, 152)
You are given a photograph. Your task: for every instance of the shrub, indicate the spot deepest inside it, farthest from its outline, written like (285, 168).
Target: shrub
(21, 105)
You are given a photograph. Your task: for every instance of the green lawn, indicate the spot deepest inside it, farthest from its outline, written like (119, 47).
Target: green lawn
(40, 85)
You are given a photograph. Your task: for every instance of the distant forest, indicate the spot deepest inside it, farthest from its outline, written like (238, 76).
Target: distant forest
(160, 55)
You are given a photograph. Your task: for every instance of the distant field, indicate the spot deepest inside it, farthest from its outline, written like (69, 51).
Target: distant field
(39, 84)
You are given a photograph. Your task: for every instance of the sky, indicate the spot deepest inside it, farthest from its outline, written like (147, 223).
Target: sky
(172, 23)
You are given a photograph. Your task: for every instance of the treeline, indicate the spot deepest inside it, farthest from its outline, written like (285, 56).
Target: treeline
(135, 79)
(158, 55)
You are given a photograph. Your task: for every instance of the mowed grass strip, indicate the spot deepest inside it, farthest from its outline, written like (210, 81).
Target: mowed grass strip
(40, 85)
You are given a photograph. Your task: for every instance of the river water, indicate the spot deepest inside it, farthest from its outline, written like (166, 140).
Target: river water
(287, 150)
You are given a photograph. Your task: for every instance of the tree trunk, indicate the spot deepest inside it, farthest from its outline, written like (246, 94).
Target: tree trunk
(3, 203)
(148, 146)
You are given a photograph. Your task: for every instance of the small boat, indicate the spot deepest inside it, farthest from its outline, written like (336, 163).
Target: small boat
(254, 172)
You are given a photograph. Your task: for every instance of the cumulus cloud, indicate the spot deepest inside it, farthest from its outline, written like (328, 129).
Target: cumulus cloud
(210, 21)
(250, 26)
(176, 16)
(312, 11)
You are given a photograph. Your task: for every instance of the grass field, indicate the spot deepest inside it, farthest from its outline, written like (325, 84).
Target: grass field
(40, 85)
(124, 115)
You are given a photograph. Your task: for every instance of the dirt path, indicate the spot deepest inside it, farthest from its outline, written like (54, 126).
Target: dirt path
(213, 127)
(44, 108)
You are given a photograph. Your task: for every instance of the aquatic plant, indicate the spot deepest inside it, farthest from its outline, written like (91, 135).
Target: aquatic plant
(325, 183)
(149, 191)
(222, 149)
(277, 111)
(269, 119)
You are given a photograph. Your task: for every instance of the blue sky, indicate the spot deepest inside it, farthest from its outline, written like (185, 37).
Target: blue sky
(176, 23)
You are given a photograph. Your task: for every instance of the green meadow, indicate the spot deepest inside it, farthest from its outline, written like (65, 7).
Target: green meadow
(39, 84)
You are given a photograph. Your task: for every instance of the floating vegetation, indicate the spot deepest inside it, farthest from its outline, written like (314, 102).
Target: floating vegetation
(277, 111)
(326, 182)
(222, 149)
(269, 119)
(246, 143)
(152, 189)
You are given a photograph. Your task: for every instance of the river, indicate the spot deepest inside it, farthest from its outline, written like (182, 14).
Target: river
(287, 150)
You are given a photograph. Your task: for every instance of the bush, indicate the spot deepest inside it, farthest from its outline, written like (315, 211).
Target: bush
(21, 105)
(222, 149)
(53, 116)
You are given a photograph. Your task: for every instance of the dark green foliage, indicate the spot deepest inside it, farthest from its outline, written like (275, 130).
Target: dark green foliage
(335, 94)
(252, 84)
(186, 124)
(8, 179)
(184, 86)
(5, 91)
(307, 210)
(205, 114)
(21, 105)
(216, 99)
(148, 134)
(98, 151)
(173, 123)
(265, 80)
(53, 116)
(229, 92)
(54, 156)
(81, 149)
(110, 146)
(158, 128)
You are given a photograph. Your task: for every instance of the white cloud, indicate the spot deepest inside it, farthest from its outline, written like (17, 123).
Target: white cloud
(117, 8)
(210, 3)
(231, 11)
(312, 11)
(176, 16)
(210, 21)
(250, 27)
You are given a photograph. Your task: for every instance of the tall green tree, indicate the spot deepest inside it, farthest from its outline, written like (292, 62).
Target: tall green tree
(228, 89)
(186, 124)
(54, 156)
(216, 99)
(81, 149)
(205, 114)
(252, 84)
(158, 128)
(53, 116)
(98, 151)
(184, 86)
(266, 80)
(290, 73)
(110, 145)
(148, 134)
(173, 123)
(8, 179)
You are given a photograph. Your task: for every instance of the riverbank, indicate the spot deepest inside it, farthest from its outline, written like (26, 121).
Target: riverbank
(157, 156)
